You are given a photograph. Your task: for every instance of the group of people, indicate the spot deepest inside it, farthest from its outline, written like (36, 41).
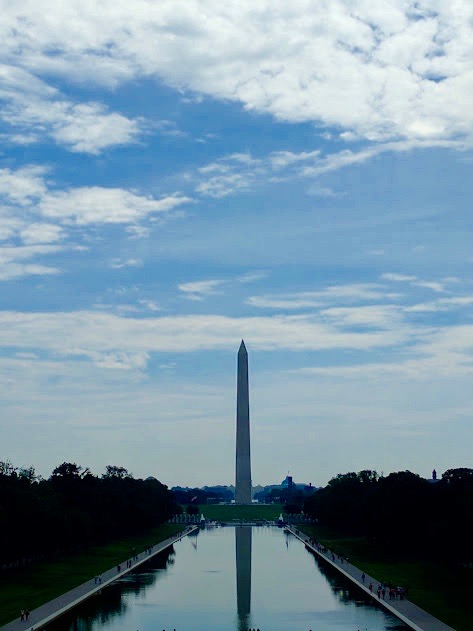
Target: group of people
(24, 615)
(134, 557)
(382, 589)
(323, 550)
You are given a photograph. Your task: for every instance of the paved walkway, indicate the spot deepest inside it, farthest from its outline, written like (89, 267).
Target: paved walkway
(54, 608)
(415, 617)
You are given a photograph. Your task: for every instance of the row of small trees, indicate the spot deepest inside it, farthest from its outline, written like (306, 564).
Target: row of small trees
(402, 511)
(73, 508)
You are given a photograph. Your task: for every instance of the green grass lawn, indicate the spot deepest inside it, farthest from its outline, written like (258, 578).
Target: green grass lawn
(440, 589)
(224, 512)
(41, 582)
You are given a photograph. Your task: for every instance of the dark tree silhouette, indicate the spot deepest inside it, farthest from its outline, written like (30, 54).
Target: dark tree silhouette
(402, 511)
(72, 509)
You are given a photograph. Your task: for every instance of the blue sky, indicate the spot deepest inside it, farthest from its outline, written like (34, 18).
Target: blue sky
(177, 176)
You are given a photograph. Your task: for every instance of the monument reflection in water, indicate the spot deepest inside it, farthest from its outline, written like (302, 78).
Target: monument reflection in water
(243, 574)
(231, 579)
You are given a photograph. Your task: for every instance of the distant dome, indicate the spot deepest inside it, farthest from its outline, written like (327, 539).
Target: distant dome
(151, 477)
(287, 481)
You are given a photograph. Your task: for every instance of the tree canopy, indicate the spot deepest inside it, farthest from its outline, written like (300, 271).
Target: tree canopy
(73, 508)
(401, 511)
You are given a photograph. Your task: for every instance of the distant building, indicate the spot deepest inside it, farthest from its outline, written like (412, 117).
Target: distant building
(287, 487)
(287, 483)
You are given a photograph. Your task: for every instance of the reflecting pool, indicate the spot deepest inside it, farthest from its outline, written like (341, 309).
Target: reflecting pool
(232, 579)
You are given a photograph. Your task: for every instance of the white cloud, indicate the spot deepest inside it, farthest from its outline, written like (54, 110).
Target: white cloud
(379, 252)
(26, 252)
(434, 353)
(34, 212)
(220, 186)
(23, 185)
(347, 157)
(252, 277)
(400, 278)
(90, 128)
(198, 290)
(16, 262)
(436, 286)
(120, 360)
(457, 301)
(95, 204)
(150, 305)
(138, 232)
(380, 72)
(10, 270)
(283, 159)
(39, 111)
(114, 341)
(321, 191)
(231, 174)
(433, 285)
(305, 299)
(101, 336)
(442, 304)
(236, 173)
(41, 233)
(378, 316)
(120, 263)
(424, 368)
(9, 227)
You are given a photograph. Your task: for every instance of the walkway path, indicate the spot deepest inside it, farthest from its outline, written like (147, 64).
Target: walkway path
(415, 617)
(54, 608)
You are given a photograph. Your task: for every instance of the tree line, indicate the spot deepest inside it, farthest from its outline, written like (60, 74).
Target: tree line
(402, 512)
(73, 508)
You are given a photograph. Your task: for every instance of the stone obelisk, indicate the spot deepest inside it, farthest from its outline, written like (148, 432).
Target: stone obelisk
(243, 462)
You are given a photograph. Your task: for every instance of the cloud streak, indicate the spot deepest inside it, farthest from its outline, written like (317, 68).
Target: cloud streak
(350, 293)
(101, 337)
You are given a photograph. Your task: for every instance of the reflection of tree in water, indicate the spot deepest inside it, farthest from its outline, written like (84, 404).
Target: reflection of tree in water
(98, 610)
(346, 591)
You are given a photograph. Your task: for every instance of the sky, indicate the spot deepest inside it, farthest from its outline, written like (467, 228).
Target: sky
(176, 176)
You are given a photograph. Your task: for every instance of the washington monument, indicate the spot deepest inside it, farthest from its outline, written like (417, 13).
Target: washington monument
(243, 462)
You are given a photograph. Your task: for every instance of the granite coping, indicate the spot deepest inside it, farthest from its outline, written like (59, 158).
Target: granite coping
(415, 617)
(51, 610)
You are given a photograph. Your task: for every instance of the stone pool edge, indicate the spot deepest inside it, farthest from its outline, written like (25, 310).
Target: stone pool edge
(60, 605)
(422, 617)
